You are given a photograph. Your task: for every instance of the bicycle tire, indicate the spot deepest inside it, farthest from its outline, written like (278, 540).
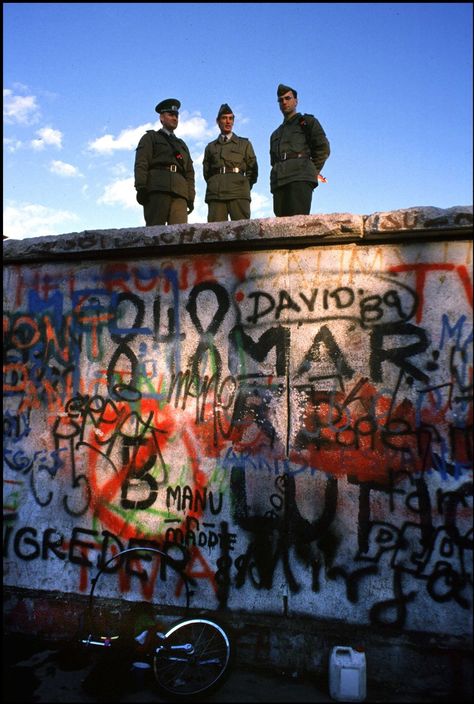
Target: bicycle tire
(182, 675)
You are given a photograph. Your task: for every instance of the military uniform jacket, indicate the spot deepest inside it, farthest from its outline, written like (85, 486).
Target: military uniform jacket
(301, 134)
(236, 153)
(155, 150)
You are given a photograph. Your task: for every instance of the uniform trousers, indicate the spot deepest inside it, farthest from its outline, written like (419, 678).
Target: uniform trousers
(293, 199)
(165, 209)
(237, 209)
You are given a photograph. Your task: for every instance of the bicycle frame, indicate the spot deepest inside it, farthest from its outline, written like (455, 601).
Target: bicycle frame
(170, 560)
(193, 655)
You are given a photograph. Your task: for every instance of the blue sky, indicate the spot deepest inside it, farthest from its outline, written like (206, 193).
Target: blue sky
(391, 84)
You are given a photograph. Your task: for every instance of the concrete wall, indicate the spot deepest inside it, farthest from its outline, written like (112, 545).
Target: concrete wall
(285, 403)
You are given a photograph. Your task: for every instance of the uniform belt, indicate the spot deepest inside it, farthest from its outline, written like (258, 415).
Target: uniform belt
(227, 170)
(293, 155)
(166, 167)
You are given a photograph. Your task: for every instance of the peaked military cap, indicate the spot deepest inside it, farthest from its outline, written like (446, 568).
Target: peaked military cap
(224, 110)
(168, 105)
(281, 90)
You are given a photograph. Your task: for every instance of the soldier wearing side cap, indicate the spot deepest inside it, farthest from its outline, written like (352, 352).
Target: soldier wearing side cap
(298, 151)
(164, 172)
(230, 170)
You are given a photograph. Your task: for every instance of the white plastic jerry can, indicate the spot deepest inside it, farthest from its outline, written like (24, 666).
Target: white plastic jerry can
(347, 674)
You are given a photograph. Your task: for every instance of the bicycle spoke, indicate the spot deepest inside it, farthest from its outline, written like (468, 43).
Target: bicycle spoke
(199, 670)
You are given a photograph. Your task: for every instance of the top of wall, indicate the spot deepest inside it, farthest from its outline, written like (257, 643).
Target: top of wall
(297, 231)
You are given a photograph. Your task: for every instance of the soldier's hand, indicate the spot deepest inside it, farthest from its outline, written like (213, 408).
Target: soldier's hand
(142, 196)
(190, 207)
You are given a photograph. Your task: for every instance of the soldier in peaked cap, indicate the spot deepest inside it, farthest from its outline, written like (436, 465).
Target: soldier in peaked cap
(230, 170)
(168, 105)
(298, 151)
(164, 172)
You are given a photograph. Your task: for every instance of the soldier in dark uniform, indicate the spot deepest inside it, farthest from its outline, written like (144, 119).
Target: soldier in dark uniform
(298, 151)
(164, 173)
(230, 170)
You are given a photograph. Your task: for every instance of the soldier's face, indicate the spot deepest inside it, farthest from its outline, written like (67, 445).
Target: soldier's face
(169, 120)
(226, 123)
(287, 103)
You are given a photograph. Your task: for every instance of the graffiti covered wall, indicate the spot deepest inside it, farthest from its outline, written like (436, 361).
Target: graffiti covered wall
(295, 425)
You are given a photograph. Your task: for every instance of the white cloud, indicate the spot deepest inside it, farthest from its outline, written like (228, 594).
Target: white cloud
(22, 220)
(121, 192)
(199, 214)
(127, 139)
(21, 109)
(197, 160)
(194, 128)
(63, 169)
(47, 137)
(261, 206)
(120, 169)
(189, 128)
(11, 144)
(241, 120)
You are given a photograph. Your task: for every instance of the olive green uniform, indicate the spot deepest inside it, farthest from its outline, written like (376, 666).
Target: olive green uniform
(230, 170)
(163, 166)
(298, 150)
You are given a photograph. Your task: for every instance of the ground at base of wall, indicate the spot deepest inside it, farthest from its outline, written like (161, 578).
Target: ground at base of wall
(35, 670)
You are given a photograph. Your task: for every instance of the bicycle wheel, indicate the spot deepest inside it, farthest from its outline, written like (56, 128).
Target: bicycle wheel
(194, 659)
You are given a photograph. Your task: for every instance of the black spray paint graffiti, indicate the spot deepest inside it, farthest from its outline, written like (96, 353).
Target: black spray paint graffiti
(281, 532)
(436, 558)
(37, 346)
(82, 426)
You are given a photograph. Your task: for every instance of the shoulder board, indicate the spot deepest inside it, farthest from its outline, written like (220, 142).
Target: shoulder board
(306, 119)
